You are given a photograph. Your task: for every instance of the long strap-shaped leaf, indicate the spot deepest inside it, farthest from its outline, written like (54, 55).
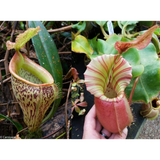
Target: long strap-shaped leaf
(17, 125)
(48, 58)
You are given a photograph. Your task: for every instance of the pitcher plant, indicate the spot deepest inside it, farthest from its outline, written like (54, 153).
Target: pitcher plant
(33, 86)
(106, 78)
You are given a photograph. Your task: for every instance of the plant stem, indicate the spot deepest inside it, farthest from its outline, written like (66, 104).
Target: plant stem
(28, 41)
(66, 119)
(2, 24)
(124, 30)
(77, 33)
(104, 33)
(66, 28)
(120, 24)
(135, 35)
(22, 130)
(134, 86)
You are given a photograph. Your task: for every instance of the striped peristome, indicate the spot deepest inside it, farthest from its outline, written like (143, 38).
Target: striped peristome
(106, 69)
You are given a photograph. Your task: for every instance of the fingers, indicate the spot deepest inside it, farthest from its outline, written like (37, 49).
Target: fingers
(98, 126)
(118, 136)
(92, 128)
(90, 119)
(92, 112)
(106, 133)
(125, 132)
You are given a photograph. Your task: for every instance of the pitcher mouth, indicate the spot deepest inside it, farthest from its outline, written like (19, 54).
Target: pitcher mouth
(111, 95)
(106, 77)
(45, 79)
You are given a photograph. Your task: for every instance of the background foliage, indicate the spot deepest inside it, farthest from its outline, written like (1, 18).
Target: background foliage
(145, 63)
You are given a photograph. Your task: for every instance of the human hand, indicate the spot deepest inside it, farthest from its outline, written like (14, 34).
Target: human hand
(92, 128)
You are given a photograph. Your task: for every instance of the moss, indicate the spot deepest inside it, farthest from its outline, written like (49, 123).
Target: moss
(32, 135)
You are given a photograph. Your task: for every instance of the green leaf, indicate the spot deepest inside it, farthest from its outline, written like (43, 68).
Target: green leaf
(48, 58)
(17, 125)
(101, 47)
(157, 31)
(93, 43)
(82, 112)
(132, 55)
(148, 85)
(131, 25)
(156, 42)
(113, 39)
(101, 23)
(77, 109)
(137, 70)
(128, 24)
(104, 47)
(80, 26)
(154, 39)
(80, 45)
(23, 38)
(146, 23)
